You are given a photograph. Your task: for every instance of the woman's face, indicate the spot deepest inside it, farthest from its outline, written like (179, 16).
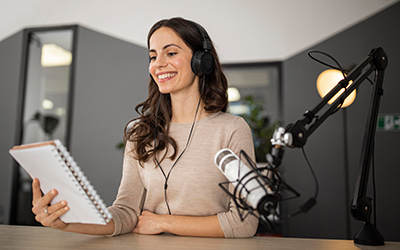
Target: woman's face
(170, 61)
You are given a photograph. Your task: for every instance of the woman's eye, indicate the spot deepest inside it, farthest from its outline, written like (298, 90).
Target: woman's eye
(172, 53)
(152, 58)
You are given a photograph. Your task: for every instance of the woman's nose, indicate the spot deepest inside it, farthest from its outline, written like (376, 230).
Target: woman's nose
(160, 62)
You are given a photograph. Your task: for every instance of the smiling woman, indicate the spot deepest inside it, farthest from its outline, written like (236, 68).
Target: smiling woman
(170, 181)
(170, 66)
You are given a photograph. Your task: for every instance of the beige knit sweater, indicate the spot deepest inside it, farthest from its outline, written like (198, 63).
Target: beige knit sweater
(193, 183)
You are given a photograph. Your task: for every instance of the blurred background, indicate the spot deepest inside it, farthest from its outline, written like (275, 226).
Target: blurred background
(74, 71)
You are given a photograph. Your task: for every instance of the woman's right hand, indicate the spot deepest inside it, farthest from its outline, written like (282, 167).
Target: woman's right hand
(48, 215)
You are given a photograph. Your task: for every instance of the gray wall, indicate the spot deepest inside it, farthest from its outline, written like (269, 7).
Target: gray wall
(330, 217)
(111, 78)
(10, 62)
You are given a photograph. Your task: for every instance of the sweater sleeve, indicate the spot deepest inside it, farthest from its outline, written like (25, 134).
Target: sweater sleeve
(230, 221)
(131, 194)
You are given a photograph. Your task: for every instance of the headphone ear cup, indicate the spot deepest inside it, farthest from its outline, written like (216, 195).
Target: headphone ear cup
(202, 63)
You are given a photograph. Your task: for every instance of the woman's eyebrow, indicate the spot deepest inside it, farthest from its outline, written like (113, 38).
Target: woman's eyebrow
(165, 47)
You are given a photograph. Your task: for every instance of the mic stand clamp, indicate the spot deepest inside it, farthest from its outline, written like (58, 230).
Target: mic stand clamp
(279, 140)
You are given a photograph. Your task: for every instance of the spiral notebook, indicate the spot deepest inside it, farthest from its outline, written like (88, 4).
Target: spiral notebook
(52, 164)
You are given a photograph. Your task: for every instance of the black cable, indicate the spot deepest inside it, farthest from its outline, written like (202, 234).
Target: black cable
(186, 146)
(313, 173)
(338, 67)
(310, 202)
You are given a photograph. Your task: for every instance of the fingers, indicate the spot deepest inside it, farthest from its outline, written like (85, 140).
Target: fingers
(48, 216)
(49, 219)
(45, 214)
(41, 202)
(36, 192)
(147, 213)
(54, 208)
(45, 211)
(47, 198)
(148, 223)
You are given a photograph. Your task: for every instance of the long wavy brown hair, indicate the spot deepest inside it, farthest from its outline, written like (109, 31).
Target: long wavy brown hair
(214, 96)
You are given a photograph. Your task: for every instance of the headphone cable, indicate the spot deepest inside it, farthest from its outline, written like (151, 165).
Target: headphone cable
(187, 144)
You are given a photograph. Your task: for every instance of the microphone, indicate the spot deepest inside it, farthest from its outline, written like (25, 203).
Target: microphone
(255, 191)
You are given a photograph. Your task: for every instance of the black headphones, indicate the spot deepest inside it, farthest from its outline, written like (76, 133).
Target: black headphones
(203, 62)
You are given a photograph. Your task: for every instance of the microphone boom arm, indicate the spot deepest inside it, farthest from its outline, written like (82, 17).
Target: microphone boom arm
(296, 135)
(299, 131)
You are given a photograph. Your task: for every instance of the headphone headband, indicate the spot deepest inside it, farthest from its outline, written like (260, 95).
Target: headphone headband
(203, 62)
(206, 39)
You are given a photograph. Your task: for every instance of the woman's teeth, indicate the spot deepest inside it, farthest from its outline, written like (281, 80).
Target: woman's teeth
(167, 75)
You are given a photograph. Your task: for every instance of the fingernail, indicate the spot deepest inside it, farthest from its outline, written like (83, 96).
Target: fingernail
(63, 203)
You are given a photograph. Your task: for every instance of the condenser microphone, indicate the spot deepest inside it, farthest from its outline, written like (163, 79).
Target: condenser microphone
(250, 185)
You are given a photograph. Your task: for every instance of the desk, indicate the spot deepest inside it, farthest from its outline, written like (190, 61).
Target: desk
(24, 237)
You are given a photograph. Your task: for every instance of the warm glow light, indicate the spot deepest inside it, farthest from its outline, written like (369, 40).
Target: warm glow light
(53, 55)
(47, 104)
(327, 80)
(233, 94)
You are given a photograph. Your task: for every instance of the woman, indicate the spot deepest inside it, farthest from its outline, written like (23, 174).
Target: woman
(170, 182)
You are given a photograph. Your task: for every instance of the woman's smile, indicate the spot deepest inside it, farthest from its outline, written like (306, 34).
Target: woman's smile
(165, 76)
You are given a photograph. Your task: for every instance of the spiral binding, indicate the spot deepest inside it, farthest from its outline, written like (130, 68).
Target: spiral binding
(83, 181)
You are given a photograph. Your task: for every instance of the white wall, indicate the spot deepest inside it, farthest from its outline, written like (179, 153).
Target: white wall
(244, 31)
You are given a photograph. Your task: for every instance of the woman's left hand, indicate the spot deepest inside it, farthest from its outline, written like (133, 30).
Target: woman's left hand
(149, 223)
(204, 226)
